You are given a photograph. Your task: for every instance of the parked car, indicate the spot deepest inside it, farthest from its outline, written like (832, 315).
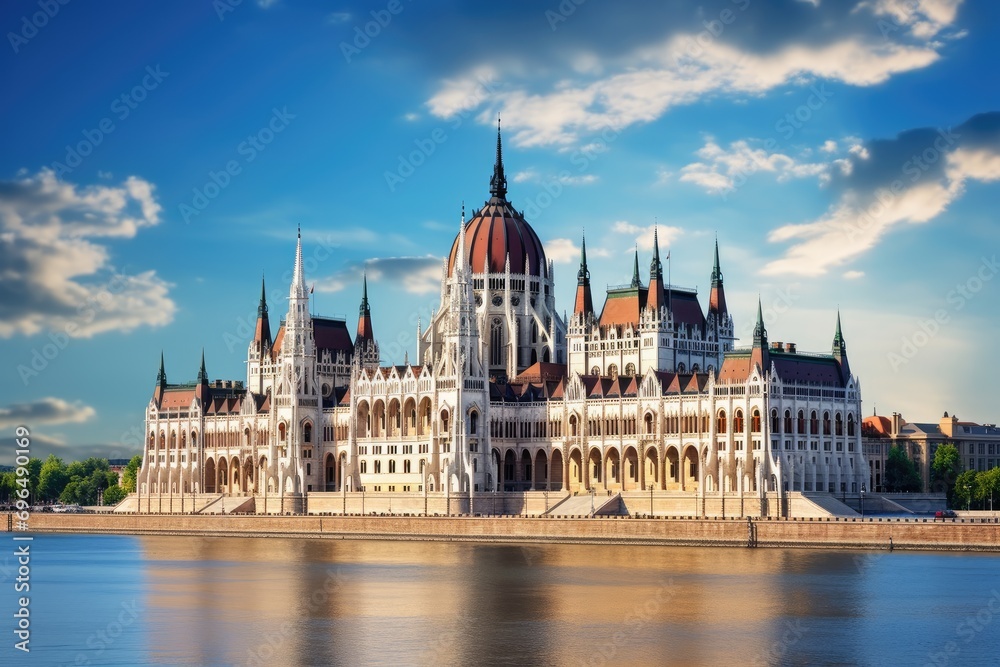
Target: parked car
(945, 514)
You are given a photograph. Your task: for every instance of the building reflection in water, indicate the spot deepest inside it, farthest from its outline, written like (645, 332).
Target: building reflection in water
(298, 601)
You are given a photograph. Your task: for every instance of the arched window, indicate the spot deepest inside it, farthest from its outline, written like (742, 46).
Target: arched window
(788, 421)
(775, 423)
(444, 421)
(613, 371)
(596, 370)
(534, 332)
(839, 424)
(814, 423)
(629, 369)
(364, 467)
(378, 467)
(800, 428)
(473, 422)
(392, 466)
(572, 425)
(850, 424)
(307, 432)
(720, 424)
(281, 431)
(681, 368)
(496, 342)
(826, 423)
(649, 422)
(738, 422)
(406, 466)
(755, 421)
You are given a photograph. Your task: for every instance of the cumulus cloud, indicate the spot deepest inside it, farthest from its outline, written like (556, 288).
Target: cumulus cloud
(762, 48)
(56, 276)
(414, 275)
(45, 411)
(644, 235)
(723, 169)
(911, 179)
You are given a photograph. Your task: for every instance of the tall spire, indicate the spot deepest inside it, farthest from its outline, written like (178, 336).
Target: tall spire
(717, 297)
(716, 271)
(498, 184)
(655, 266)
(838, 336)
(161, 376)
(759, 332)
(584, 301)
(635, 270)
(298, 278)
(202, 373)
(840, 351)
(365, 332)
(262, 306)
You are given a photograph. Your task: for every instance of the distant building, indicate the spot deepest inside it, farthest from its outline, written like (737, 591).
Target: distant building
(978, 444)
(509, 396)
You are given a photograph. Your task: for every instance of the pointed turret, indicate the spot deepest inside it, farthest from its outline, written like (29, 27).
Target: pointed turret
(262, 335)
(840, 351)
(759, 354)
(717, 299)
(498, 184)
(201, 390)
(657, 290)
(584, 301)
(364, 315)
(635, 270)
(161, 382)
(298, 289)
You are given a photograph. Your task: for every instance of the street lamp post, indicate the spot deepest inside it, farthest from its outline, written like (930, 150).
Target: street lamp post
(592, 492)
(862, 502)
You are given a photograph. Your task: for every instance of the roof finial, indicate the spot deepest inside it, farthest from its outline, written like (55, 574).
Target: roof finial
(161, 377)
(716, 271)
(364, 294)
(498, 184)
(583, 275)
(759, 332)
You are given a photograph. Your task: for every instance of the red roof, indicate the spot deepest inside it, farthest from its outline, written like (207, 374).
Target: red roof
(496, 232)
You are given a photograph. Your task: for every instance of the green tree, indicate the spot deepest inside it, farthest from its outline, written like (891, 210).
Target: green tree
(965, 488)
(988, 487)
(70, 494)
(131, 473)
(52, 479)
(114, 495)
(34, 474)
(8, 486)
(945, 468)
(900, 472)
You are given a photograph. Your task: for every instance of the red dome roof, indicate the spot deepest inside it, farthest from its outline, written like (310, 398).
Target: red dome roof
(499, 231)
(496, 232)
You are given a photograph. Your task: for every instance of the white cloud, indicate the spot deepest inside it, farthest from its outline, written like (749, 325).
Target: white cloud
(48, 410)
(56, 277)
(414, 275)
(644, 235)
(666, 75)
(829, 146)
(853, 275)
(722, 170)
(858, 221)
(562, 251)
(924, 19)
(526, 176)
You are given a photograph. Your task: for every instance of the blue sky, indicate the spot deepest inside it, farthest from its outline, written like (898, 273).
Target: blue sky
(157, 158)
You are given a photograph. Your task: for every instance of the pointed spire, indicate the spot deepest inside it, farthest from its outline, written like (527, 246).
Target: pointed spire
(584, 301)
(202, 373)
(635, 270)
(364, 310)
(262, 306)
(716, 271)
(298, 278)
(717, 297)
(840, 351)
(759, 332)
(583, 275)
(161, 376)
(498, 184)
(655, 266)
(838, 336)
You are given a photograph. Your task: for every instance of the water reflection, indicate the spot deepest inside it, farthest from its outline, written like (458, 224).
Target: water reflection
(222, 601)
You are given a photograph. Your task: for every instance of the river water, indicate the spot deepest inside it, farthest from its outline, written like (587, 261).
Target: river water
(117, 600)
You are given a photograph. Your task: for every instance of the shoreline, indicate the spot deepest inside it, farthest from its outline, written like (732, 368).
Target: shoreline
(869, 534)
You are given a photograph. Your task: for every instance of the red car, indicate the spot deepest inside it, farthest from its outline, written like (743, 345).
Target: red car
(945, 514)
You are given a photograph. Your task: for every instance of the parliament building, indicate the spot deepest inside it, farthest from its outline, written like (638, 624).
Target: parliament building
(644, 405)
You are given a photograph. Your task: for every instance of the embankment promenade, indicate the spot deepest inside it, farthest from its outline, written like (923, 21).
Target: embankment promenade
(870, 533)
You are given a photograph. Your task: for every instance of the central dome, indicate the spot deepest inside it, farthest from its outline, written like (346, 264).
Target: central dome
(498, 231)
